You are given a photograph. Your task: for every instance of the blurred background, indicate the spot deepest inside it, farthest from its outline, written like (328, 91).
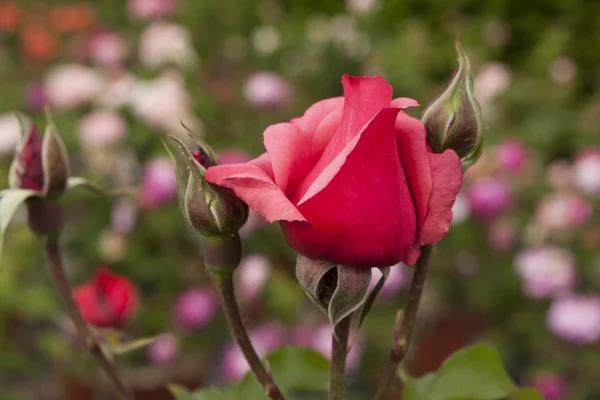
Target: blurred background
(519, 269)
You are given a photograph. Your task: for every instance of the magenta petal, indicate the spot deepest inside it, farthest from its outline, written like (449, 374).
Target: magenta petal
(253, 185)
(412, 150)
(361, 203)
(446, 175)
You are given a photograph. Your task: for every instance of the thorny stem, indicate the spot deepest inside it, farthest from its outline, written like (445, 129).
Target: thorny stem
(339, 353)
(404, 325)
(83, 331)
(224, 285)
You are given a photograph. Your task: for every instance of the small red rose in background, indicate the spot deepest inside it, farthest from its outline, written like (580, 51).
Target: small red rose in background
(108, 300)
(352, 181)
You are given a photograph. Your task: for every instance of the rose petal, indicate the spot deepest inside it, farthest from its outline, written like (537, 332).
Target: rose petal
(256, 187)
(337, 206)
(316, 113)
(405, 102)
(446, 176)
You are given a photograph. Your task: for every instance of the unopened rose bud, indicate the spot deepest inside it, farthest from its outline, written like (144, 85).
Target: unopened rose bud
(453, 119)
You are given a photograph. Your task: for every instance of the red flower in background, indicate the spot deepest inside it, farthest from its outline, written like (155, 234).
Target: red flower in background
(352, 181)
(108, 300)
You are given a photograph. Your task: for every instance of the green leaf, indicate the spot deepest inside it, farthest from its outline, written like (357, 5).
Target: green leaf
(116, 342)
(527, 394)
(9, 203)
(211, 393)
(416, 388)
(78, 181)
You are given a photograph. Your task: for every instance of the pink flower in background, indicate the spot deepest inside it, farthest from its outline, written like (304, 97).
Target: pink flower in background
(361, 7)
(107, 49)
(147, 9)
(560, 211)
(36, 96)
(491, 80)
(551, 386)
(10, 133)
(585, 171)
(123, 217)
(72, 85)
(321, 342)
(253, 223)
(164, 350)
(159, 183)
(101, 128)
(266, 338)
(164, 43)
(502, 235)
(194, 309)
(560, 175)
(252, 275)
(575, 318)
(489, 197)
(117, 89)
(512, 156)
(267, 89)
(546, 271)
(395, 282)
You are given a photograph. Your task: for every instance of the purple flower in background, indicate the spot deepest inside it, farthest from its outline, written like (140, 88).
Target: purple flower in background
(575, 318)
(267, 89)
(194, 309)
(585, 171)
(159, 183)
(252, 275)
(546, 271)
(148, 9)
(101, 128)
(551, 386)
(489, 197)
(36, 97)
(266, 338)
(512, 156)
(164, 350)
(107, 49)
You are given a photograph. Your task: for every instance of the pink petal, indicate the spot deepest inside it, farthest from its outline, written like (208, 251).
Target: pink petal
(316, 113)
(405, 102)
(289, 150)
(360, 203)
(412, 150)
(446, 175)
(256, 187)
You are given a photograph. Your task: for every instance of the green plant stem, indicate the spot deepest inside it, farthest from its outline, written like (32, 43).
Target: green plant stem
(83, 331)
(224, 285)
(339, 353)
(405, 324)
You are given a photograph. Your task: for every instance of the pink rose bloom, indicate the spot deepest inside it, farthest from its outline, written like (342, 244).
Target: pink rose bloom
(107, 49)
(194, 309)
(551, 386)
(267, 89)
(72, 85)
(546, 271)
(502, 235)
(266, 338)
(147, 9)
(575, 318)
(164, 350)
(101, 129)
(585, 172)
(317, 178)
(159, 183)
(489, 197)
(512, 156)
(252, 275)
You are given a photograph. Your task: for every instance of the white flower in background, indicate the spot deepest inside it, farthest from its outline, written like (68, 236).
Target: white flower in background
(361, 7)
(72, 85)
(461, 210)
(266, 39)
(586, 171)
(164, 43)
(267, 89)
(10, 133)
(252, 275)
(101, 128)
(107, 49)
(162, 102)
(491, 80)
(147, 9)
(575, 318)
(561, 210)
(117, 90)
(562, 70)
(546, 271)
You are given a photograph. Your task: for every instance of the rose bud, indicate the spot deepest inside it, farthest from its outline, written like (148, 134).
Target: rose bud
(108, 300)
(352, 181)
(453, 120)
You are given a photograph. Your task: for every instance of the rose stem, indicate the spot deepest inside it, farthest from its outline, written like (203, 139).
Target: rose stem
(83, 331)
(404, 325)
(224, 285)
(339, 352)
